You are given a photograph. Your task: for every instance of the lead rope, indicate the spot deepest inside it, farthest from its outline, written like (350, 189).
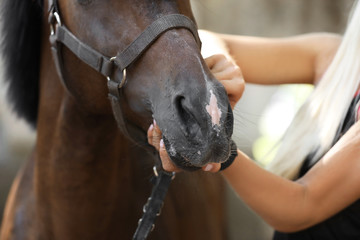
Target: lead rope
(155, 202)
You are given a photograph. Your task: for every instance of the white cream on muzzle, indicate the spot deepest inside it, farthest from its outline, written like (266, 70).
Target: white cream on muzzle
(213, 109)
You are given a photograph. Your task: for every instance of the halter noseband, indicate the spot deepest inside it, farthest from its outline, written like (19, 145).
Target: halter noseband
(108, 66)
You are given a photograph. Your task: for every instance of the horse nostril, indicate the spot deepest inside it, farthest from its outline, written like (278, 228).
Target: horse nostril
(188, 122)
(179, 101)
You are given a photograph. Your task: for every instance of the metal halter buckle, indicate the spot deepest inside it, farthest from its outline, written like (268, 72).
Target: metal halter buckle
(123, 80)
(54, 20)
(156, 173)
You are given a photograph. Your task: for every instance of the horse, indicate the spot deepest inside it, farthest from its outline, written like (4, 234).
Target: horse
(86, 178)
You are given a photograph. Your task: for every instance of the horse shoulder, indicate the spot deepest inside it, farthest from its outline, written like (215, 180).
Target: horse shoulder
(18, 221)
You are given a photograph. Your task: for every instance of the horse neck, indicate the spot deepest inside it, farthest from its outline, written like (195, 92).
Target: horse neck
(68, 135)
(85, 168)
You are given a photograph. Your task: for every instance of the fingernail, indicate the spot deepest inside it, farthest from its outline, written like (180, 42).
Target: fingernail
(151, 127)
(208, 168)
(154, 122)
(161, 143)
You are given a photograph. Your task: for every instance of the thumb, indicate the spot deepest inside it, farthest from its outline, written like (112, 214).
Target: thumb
(165, 160)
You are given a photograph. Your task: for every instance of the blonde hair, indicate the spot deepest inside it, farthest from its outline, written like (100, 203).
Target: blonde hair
(317, 121)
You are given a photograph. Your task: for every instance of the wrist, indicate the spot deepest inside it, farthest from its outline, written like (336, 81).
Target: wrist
(232, 157)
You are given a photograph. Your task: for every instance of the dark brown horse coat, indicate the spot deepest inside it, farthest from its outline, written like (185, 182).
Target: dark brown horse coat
(84, 179)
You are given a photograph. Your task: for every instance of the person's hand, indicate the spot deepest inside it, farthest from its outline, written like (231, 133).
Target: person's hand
(155, 139)
(229, 74)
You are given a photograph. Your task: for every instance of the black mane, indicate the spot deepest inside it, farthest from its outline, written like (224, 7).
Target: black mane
(20, 48)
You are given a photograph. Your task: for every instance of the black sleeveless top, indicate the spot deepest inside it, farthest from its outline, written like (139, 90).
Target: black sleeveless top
(345, 225)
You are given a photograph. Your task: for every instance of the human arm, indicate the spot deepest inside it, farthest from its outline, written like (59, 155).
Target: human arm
(289, 206)
(299, 59)
(330, 186)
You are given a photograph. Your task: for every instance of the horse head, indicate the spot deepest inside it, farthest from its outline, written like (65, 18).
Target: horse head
(169, 82)
(81, 181)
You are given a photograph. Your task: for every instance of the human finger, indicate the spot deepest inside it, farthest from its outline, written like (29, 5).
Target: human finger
(154, 135)
(150, 134)
(227, 71)
(234, 86)
(167, 164)
(215, 61)
(212, 167)
(235, 89)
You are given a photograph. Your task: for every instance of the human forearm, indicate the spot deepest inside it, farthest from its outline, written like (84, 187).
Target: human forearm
(278, 201)
(291, 206)
(298, 59)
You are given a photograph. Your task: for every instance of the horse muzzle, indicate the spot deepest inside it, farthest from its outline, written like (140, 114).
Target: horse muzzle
(200, 136)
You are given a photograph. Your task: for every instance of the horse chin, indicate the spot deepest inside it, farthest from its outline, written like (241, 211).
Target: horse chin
(177, 159)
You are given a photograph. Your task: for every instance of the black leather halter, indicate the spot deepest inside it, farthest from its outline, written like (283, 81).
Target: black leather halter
(114, 70)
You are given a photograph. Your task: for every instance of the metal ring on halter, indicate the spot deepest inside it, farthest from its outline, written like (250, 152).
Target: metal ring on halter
(111, 60)
(57, 18)
(58, 21)
(155, 171)
(123, 80)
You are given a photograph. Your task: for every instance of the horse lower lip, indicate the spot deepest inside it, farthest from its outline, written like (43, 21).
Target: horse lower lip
(184, 164)
(179, 160)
